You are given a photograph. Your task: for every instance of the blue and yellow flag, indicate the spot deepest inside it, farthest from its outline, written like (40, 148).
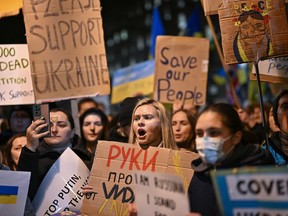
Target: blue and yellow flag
(157, 28)
(8, 194)
(194, 23)
(132, 81)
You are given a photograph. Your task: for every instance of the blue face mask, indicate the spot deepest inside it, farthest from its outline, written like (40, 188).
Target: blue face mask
(211, 149)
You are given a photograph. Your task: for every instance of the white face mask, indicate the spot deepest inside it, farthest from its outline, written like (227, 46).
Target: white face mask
(211, 149)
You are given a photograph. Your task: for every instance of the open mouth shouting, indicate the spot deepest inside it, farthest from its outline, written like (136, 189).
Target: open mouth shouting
(141, 133)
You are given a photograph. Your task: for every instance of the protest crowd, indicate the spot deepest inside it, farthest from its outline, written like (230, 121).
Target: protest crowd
(75, 157)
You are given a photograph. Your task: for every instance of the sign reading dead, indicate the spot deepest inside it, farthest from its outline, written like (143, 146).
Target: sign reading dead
(15, 75)
(66, 48)
(181, 66)
(112, 174)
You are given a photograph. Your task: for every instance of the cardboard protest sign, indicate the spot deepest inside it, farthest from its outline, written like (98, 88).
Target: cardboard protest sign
(66, 48)
(210, 6)
(160, 194)
(111, 175)
(15, 75)
(13, 192)
(253, 30)
(61, 188)
(181, 68)
(252, 191)
(133, 80)
(10, 8)
(273, 70)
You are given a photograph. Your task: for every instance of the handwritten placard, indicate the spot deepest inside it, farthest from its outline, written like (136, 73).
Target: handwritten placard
(273, 70)
(160, 194)
(181, 68)
(210, 6)
(254, 191)
(66, 48)
(15, 75)
(61, 189)
(253, 30)
(112, 174)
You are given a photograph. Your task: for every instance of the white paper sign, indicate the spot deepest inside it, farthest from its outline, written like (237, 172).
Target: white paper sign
(13, 192)
(15, 75)
(61, 188)
(160, 194)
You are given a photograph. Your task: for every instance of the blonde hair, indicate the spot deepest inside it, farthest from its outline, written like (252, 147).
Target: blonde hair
(166, 128)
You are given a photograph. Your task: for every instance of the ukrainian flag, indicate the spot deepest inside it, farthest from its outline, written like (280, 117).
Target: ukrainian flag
(8, 194)
(133, 80)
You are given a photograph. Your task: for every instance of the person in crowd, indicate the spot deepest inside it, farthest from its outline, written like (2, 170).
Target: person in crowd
(120, 131)
(13, 149)
(244, 117)
(94, 126)
(2, 165)
(278, 141)
(19, 119)
(43, 150)
(272, 127)
(151, 125)
(85, 104)
(221, 143)
(256, 123)
(183, 125)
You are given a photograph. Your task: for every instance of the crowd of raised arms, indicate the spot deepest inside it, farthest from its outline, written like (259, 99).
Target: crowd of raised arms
(224, 137)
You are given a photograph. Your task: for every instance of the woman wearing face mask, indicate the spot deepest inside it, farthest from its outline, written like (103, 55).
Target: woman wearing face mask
(221, 143)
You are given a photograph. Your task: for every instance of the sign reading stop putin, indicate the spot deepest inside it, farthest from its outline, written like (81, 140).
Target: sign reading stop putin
(181, 69)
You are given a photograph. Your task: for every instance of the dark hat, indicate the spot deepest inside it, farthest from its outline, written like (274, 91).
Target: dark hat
(126, 109)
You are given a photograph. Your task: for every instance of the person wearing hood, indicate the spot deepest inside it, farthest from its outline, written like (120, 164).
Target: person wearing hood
(278, 141)
(222, 144)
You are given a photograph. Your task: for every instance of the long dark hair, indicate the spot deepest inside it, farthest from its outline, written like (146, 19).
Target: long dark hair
(104, 120)
(231, 120)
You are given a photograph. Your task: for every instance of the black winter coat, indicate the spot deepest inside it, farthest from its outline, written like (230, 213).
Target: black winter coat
(201, 193)
(39, 163)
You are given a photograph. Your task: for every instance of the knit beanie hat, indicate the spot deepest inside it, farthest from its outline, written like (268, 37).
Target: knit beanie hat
(126, 109)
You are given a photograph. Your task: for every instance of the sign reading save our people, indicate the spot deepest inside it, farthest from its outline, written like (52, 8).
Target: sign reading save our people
(61, 189)
(252, 191)
(15, 75)
(66, 49)
(160, 194)
(13, 192)
(112, 174)
(181, 69)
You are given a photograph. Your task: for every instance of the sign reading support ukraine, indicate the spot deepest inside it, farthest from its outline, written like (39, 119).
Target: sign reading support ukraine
(13, 192)
(134, 80)
(252, 191)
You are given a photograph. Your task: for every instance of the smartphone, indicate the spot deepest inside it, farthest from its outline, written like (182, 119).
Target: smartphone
(42, 111)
